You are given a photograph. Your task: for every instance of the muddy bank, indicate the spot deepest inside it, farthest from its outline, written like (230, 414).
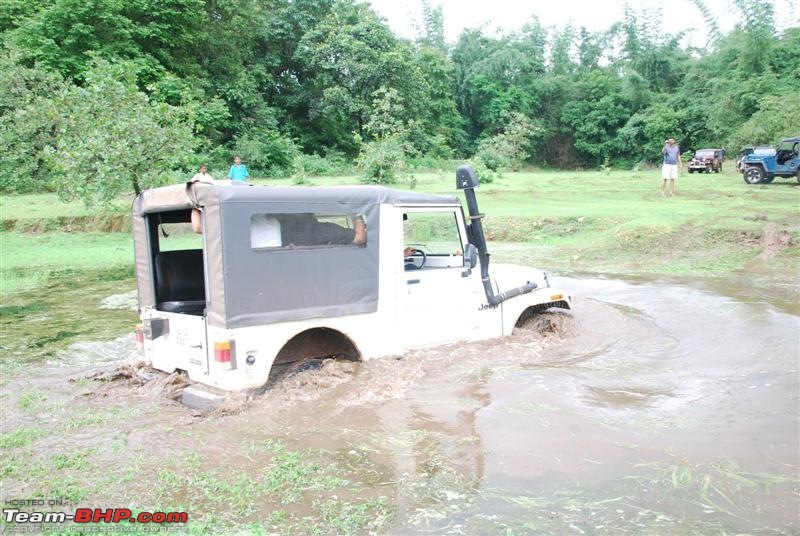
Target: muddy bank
(658, 406)
(101, 223)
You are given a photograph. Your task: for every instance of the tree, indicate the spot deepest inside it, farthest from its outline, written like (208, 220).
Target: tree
(27, 125)
(157, 35)
(596, 110)
(111, 139)
(507, 149)
(383, 157)
(438, 127)
(778, 117)
(431, 32)
(346, 57)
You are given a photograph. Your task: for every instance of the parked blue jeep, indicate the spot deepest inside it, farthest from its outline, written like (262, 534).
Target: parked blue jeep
(763, 168)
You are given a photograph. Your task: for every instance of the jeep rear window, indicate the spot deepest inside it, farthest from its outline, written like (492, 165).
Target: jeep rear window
(175, 235)
(306, 230)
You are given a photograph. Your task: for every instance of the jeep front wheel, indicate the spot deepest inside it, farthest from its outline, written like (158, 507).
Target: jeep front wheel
(753, 174)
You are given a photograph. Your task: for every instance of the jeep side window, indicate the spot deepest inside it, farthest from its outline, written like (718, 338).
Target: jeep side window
(304, 230)
(435, 233)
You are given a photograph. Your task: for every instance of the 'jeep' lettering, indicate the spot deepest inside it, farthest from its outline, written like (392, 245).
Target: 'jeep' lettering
(486, 307)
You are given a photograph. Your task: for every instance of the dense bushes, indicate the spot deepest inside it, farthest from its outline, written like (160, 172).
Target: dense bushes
(310, 88)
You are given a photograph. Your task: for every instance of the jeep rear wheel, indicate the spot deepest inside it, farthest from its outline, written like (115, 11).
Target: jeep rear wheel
(310, 349)
(768, 179)
(798, 175)
(753, 174)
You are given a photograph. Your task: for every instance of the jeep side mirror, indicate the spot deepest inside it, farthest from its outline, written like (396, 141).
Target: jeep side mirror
(471, 256)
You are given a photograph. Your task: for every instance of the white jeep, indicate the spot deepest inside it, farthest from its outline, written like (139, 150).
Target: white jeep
(279, 276)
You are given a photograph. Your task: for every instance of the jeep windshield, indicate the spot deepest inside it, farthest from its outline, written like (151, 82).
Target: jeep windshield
(705, 153)
(764, 151)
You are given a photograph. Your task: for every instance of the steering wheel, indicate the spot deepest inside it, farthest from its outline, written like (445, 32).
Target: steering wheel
(409, 261)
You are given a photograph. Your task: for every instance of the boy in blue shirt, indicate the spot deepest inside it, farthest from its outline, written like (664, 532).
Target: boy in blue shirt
(238, 170)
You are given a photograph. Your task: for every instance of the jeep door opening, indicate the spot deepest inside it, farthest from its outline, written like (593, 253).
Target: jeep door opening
(283, 275)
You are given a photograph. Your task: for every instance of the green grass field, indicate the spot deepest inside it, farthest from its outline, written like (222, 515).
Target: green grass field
(55, 268)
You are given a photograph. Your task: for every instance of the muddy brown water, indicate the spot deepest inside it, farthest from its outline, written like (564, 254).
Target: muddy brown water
(656, 406)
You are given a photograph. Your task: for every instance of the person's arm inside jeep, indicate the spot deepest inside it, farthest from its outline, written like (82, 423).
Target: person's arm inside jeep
(331, 233)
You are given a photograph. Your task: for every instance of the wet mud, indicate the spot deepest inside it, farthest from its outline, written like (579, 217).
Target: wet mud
(656, 406)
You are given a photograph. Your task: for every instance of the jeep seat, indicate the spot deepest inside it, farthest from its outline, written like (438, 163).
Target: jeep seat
(180, 281)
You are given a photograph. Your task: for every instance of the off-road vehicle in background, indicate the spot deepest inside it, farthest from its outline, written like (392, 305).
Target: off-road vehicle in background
(707, 160)
(761, 150)
(785, 162)
(283, 275)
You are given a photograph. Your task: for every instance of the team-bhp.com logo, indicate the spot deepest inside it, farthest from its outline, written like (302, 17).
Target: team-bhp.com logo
(96, 515)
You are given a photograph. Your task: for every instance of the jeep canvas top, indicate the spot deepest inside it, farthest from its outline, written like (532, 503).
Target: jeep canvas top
(282, 275)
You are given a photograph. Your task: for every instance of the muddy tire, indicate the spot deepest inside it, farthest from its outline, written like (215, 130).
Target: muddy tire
(768, 179)
(753, 175)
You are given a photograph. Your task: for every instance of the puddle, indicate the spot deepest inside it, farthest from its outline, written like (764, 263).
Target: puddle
(623, 396)
(97, 352)
(658, 406)
(124, 300)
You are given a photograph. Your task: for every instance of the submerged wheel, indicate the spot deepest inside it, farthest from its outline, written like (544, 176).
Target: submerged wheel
(309, 349)
(753, 174)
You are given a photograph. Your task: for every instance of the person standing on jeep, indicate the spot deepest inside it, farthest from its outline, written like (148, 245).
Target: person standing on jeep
(670, 167)
(238, 171)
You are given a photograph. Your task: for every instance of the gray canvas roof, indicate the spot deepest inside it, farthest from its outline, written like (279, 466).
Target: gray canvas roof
(330, 194)
(247, 286)
(173, 197)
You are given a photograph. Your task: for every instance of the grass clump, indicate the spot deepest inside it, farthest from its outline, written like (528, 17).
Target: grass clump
(19, 437)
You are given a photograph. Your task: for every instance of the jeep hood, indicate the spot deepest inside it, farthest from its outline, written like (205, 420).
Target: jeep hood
(513, 275)
(752, 158)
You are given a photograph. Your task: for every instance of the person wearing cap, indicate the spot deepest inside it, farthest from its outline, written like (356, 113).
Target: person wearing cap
(669, 169)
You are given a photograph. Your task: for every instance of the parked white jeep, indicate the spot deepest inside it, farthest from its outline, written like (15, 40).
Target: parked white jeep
(283, 275)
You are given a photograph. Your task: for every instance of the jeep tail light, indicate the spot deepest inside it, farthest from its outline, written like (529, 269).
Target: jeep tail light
(222, 351)
(138, 333)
